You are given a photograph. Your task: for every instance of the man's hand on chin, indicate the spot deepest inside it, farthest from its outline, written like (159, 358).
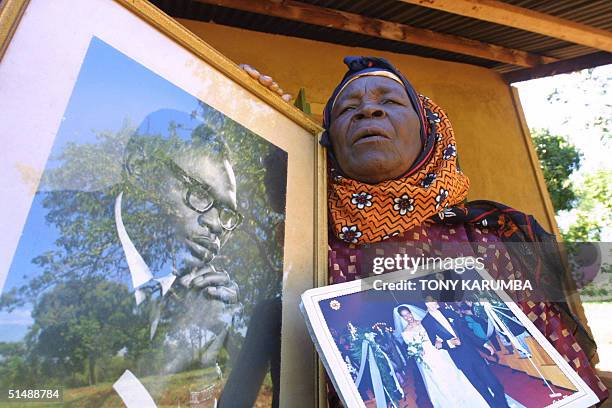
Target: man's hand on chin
(227, 294)
(217, 284)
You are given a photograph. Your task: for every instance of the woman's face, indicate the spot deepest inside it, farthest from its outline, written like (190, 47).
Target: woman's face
(375, 131)
(407, 316)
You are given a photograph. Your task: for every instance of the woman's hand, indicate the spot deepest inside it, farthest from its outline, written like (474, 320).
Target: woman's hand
(266, 81)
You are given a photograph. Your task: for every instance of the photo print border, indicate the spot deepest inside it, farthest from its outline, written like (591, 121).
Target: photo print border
(336, 367)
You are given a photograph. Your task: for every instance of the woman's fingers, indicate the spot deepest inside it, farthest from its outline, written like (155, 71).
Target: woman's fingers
(266, 81)
(253, 73)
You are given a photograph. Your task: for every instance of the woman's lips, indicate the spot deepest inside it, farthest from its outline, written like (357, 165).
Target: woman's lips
(370, 139)
(370, 134)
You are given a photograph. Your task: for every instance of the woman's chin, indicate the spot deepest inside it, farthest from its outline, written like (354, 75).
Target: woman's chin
(376, 170)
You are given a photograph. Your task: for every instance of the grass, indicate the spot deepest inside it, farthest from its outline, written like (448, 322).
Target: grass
(167, 391)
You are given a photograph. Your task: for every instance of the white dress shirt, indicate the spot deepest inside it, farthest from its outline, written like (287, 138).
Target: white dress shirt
(139, 270)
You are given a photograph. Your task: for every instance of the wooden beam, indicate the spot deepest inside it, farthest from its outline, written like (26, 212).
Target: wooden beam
(518, 17)
(340, 20)
(562, 67)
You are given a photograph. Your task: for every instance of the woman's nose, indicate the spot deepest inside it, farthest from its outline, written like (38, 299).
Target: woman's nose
(370, 110)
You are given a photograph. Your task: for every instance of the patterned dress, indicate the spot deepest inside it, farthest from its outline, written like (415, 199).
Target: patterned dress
(348, 262)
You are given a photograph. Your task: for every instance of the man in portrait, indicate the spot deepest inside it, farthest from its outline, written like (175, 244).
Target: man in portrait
(177, 175)
(147, 249)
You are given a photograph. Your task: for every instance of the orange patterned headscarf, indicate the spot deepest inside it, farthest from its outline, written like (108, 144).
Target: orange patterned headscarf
(363, 213)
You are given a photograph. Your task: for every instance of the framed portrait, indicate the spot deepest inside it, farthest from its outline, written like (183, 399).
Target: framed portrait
(160, 217)
(412, 339)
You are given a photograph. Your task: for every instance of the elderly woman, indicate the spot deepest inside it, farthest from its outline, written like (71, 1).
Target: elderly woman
(395, 186)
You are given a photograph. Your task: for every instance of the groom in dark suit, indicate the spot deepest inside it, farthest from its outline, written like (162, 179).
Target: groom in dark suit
(448, 331)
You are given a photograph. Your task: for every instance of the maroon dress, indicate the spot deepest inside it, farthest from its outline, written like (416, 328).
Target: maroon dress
(346, 262)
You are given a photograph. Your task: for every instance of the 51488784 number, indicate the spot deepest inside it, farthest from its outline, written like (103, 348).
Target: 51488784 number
(35, 394)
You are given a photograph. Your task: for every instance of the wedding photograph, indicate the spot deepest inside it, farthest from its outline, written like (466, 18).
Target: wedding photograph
(402, 348)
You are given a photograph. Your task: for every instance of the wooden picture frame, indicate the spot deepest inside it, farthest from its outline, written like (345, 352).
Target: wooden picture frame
(44, 47)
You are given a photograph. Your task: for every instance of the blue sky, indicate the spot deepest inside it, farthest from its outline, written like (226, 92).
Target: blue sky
(99, 101)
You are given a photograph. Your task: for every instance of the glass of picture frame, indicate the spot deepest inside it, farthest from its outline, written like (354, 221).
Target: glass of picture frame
(162, 215)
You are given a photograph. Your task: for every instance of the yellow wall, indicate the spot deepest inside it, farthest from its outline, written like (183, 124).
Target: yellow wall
(491, 146)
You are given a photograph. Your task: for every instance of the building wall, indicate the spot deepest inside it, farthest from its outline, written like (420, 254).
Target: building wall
(491, 145)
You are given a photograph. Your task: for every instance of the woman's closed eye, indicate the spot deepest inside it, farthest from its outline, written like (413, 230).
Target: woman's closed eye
(346, 109)
(392, 102)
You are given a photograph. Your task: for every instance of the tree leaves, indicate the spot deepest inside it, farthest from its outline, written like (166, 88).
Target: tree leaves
(558, 159)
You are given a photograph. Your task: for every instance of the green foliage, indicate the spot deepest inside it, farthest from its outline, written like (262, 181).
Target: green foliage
(79, 322)
(14, 368)
(360, 335)
(583, 229)
(585, 103)
(84, 331)
(594, 209)
(582, 100)
(558, 160)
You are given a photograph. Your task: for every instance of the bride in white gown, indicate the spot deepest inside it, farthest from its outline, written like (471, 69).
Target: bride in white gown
(446, 385)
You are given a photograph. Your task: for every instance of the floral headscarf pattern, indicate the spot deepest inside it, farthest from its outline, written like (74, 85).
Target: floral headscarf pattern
(366, 213)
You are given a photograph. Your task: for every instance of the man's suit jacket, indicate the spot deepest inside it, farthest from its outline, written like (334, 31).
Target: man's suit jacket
(435, 329)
